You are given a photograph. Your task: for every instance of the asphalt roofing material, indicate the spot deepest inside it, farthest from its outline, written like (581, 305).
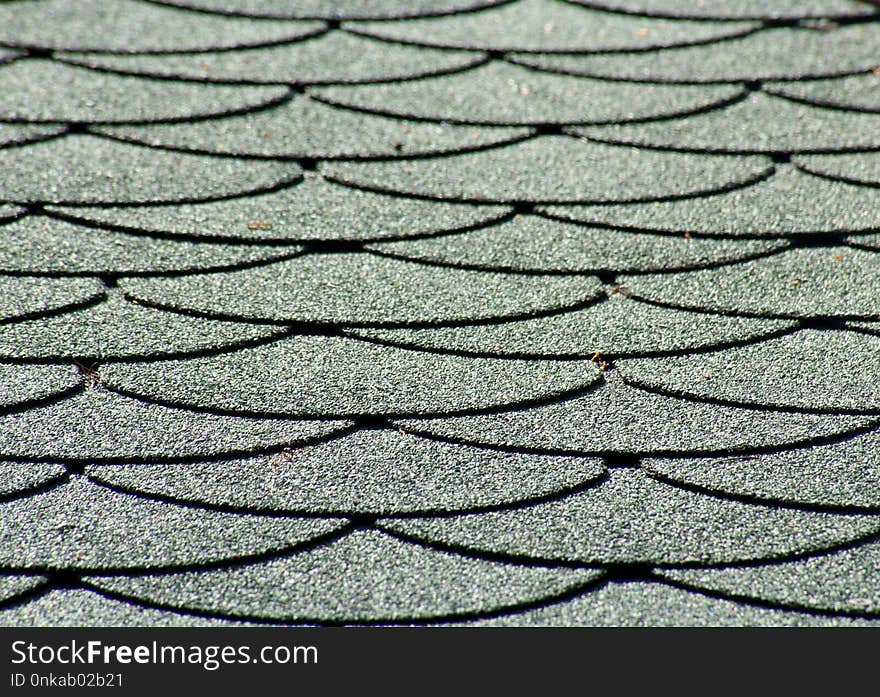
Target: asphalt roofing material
(478, 312)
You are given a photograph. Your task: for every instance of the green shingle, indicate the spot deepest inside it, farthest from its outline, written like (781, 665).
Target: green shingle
(550, 25)
(303, 127)
(355, 378)
(617, 418)
(314, 209)
(803, 282)
(20, 478)
(358, 289)
(127, 26)
(330, 8)
(87, 169)
(818, 370)
(736, 9)
(365, 576)
(118, 329)
(40, 90)
(616, 326)
(81, 525)
(29, 296)
(638, 604)
(376, 471)
(572, 171)
(841, 474)
(842, 581)
(630, 518)
(534, 243)
(760, 123)
(501, 93)
(791, 201)
(38, 244)
(772, 54)
(20, 384)
(858, 92)
(97, 425)
(83, 608)
(332, 57)
(856, 168)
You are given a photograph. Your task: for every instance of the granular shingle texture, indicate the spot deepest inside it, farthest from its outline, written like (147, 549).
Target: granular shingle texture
(772, 53)
(328, 57)
(472, 312)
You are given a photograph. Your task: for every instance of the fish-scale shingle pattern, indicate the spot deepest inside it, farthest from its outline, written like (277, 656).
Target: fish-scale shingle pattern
(451, 311)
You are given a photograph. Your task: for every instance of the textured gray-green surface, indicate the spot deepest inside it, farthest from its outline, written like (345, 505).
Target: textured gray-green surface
(481, 312)
(326, 58)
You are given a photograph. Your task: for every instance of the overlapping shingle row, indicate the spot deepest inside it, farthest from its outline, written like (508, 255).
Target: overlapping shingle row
(518, 312)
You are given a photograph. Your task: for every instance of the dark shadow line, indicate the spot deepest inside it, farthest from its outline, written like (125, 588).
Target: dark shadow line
(591, 301)
(341, 18)
(131, 357)
(283, 183)
(289, 157)
(79, 463)
(445, 618)
(147, 605)
(834, 177)
(45, 401)
(721, 312)
(53, 52)
(692, 80)
(335, 328)
(30, 141)
(506, 214)
(439, 45)
(26, 596)
(730, 151)
(744, 404)
(476, 554)
(208, 352)
(264, 105)
(376, 249)
(478, 58)
(720, 103)
(611, 356)
(857, 244)
(803, 555)
(775, 605)
(91, 301)
(875, 331)
(207, 565)
(524, 404)
(766, 21)
(149, 74)
(732, 344)
(231, 267)
(223, 268)
(60, 212)
(379, 189)
(791, 237)
(818, 103)
(94, 476)
(19, 214)
(535, 560)
(765, 175)
(43, 487)
(515, 608)
(757, 499)
(18, 55)
(659, 453)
